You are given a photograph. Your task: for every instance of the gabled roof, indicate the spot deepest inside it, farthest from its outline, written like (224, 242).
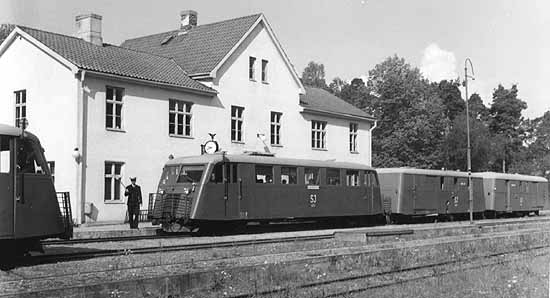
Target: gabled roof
(114, 60)
(201, 48)
(319, 101)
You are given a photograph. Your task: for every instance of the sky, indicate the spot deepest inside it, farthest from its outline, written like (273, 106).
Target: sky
(508, 41)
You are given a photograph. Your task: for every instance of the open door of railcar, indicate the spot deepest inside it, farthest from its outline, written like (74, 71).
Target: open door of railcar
(7, 198)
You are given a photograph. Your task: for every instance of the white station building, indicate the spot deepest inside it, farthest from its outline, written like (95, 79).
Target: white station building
(105, 113)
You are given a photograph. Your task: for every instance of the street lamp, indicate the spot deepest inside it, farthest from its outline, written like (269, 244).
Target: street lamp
(469, 149)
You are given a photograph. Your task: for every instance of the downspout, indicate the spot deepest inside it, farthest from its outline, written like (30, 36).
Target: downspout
(370, 133)
(82, 120)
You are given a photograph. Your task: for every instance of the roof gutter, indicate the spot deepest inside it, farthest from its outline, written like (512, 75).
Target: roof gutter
(339, 115)
(154, 83)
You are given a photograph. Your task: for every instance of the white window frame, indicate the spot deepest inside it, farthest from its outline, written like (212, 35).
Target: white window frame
(251, 68)
(115, 178)
(264, 70)
(318, 135)
(237, 123)
(353, 133)
(114, 102)
(186, 115)
(275, 128)
(51, 166)
(20, 106)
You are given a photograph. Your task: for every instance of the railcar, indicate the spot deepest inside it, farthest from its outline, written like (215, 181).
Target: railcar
(29, 206)
(513, 194)
(409, 193)
(225, 191)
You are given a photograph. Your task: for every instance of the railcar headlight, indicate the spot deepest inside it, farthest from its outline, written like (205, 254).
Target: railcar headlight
(186, 191)
(161, 192)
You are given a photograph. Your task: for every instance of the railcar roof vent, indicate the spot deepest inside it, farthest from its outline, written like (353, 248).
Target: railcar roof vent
(257, 153)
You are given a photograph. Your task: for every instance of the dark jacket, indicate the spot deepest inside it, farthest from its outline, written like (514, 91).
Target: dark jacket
(134, 195)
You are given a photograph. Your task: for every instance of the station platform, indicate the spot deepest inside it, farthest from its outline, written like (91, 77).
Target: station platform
(112, 230)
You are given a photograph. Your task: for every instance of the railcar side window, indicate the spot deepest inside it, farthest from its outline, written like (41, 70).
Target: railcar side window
(352, 178)
(217, 173)
(311, 176)
(371, 180)
(264, 174)
(190, 174)
(289, 175)
(5, 160)
(333, 176)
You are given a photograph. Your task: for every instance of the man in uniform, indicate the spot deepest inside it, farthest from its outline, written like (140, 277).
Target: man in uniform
(133, 192)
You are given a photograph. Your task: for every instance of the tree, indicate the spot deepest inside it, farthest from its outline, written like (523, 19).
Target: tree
(410, 113)
(451, 98)
(506, 126)
(336, 86)
(358, 95)
(477, 109)
(314, 75)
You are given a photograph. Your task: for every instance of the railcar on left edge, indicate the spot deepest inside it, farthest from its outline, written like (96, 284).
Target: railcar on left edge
(29, 207)
(223, 191)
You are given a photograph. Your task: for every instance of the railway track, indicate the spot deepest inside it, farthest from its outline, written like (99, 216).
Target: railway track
(112, 239)
(64, 257)
(329, 288)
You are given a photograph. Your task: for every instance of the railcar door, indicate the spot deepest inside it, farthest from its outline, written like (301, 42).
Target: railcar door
(508, 195)
(7, 166)
(245, 190)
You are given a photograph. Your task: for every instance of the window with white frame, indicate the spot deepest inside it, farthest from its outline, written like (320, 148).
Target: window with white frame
(51, 165)
(264, 70)
(353, 127)
(20, 107)
(113, 112)
(113, 176)
(179, 118)
(318, 134)
(251, 66)
(276, 128)
(237, 123)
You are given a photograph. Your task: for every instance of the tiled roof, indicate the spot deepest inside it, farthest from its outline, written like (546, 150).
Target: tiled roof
(199, 49)
(116, 60)
(319, 100)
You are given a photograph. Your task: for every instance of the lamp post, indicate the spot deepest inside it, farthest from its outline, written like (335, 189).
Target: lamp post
(469, 149)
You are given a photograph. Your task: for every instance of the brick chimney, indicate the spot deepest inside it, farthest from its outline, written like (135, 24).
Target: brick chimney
(188, 19)
(88, 27)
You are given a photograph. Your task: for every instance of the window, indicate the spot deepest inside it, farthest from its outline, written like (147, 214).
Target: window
(264, 174)
(113, 115)
(352, 178)
(264, 71)
(169, 175)
(217, 173)
(5, 155)
(333, 176)
(179, 118)
(370, 179)
(113, 176)
(318, 134)
(251, 62)
(190, 174)
(276, 128)
(353, 137)
(237, 124)
(51, 165)
(289, 175)
(311, 176)
(20, 107)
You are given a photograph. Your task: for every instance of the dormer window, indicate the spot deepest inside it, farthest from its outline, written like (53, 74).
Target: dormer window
(264, 71)
(251, 65)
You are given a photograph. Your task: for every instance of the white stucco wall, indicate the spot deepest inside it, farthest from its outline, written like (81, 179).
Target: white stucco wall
(281, 94)
(51, 105)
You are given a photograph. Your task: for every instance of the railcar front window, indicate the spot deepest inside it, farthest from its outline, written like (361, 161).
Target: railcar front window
(169, 175)
(217, 174)
(190, 174)
(311, 176)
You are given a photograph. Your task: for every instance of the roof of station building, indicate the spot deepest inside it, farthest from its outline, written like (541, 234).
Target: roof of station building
(317, 100)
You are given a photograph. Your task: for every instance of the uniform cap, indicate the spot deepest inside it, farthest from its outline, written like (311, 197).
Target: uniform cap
(132, 178)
